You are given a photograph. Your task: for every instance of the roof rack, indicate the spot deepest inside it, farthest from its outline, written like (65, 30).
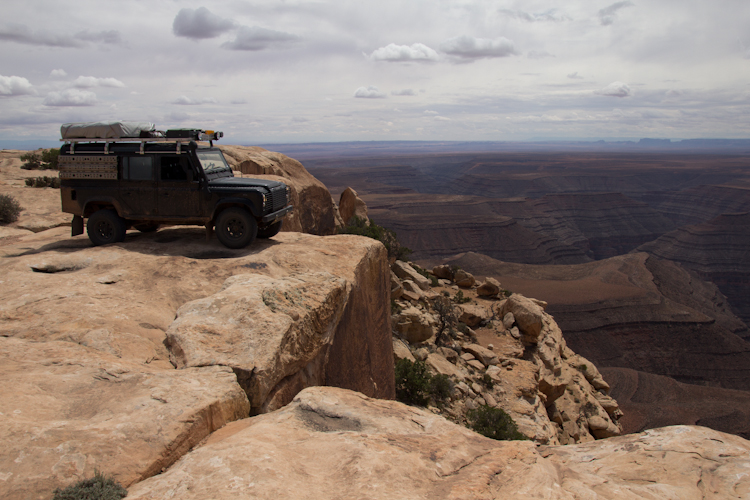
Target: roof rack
(191, 135)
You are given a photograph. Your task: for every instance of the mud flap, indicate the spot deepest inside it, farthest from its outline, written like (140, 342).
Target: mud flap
(76, 227)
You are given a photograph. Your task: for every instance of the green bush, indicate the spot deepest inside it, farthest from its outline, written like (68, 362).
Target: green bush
(48, 159)
(31, 161)
(98, 487)
(9, 209)
(441, 388)
(41, 182)
(412, 382)
(493, 423)
(460, 299)
(387, 237)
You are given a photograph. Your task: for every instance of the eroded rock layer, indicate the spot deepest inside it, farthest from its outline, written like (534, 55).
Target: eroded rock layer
(332, 443)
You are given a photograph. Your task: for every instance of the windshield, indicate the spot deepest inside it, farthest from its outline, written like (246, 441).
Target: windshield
(212, 160)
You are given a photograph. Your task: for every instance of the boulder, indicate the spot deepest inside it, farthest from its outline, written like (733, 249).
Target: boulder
(314, 210)
(68, 410)
(414, 325)
(396, 288)
(401, 351)
(483, 354)
(464, 279)
(444, 367)
(305, 450)
(413, 288)
(472, 314)
(490, 288)
(528, 315)
(404, 271)
(508, 320)
(443, 271)
(351, 205)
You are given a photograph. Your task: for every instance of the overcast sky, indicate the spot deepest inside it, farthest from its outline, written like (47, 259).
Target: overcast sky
(334, 70)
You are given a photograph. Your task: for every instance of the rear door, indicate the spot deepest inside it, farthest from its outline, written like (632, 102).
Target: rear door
(179, 192)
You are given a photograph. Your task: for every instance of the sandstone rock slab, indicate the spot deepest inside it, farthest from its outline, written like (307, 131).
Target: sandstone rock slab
(406, 272)
(351, 205)
(69, 409)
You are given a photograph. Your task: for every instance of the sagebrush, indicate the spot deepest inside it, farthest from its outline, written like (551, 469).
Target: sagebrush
(493, 423)
(9, 209)
(360, 227)
(99, 487)
(41, 182)
(41, 159)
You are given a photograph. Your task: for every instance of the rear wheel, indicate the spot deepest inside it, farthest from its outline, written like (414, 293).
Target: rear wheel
(104, 227)
(270, 231)
(236, 228)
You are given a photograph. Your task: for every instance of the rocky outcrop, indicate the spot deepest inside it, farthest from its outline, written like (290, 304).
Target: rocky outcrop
(68, 410)
(93, 329)
(351, 205)
(306, 450)
(509, 354)
(314, 210)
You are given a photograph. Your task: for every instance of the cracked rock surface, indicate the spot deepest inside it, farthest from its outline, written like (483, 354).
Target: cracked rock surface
(334, 443)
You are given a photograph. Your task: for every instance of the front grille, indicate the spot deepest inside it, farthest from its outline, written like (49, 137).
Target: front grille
(277, 198)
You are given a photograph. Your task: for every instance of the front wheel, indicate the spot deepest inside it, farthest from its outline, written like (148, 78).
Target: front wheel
(270, 231)
(104, 227)
(236, 228)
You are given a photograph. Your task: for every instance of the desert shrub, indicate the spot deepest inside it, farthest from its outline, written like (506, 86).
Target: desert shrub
(98, 487)
(40, 182)
(460, 299)
(41, 159)
(590, 409)
(9, 209)
(50, 158)
(446, 318)
(440, 388)
(387, 237)
(487, 381)
(412, 382)
(493, 423)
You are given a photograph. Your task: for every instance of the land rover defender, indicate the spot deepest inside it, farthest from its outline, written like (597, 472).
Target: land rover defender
(126, 174)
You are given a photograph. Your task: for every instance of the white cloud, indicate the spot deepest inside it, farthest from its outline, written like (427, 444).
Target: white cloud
(615, 89)
(15, 85)
(442, 119)
(548, 15)
(404, 92)
(430, 112)
(200, 23)
(187, 101)
(108, 36)
(257, 38)
(87, 82)
(415, 52)
(575, 76)
(58, 73)
(468, 47)
(369, 93)
(70, 97)
(608, 15)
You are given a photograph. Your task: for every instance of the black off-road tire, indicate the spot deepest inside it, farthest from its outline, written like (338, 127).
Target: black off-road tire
(236, 228)
(146, 227)
(270, 231)
(104, 227)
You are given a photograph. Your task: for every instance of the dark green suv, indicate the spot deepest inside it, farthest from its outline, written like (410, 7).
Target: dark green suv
(164, 178)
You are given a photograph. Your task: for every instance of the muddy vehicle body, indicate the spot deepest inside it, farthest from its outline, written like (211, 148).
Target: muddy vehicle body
(164, 179)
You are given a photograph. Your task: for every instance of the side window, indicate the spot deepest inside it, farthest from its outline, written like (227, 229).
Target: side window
(137, 168)
(173, 168)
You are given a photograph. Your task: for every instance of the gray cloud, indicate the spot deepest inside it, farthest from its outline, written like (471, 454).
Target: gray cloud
(110, 36)
(575, 76)
(468, 47)
(20, 33)
(58, 73)
(187, 101)
(70, 97)
(15, 85)
(86, 82)
(404, 92)
(200, 23)
(539, 54)
(615, 89)
(369, 93)
(607, 15)
(415, 52)
(550, 15)
(256, 38)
